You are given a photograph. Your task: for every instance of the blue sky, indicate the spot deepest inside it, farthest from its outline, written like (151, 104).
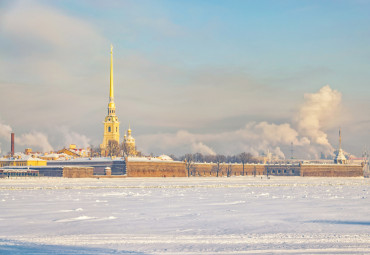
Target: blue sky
(196, 74)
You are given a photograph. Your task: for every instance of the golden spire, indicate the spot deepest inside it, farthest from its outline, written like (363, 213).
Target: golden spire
(111, 93)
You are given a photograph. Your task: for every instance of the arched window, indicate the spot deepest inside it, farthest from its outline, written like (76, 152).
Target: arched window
(109, 129)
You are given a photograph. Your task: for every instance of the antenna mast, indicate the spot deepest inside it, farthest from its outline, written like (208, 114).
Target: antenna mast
(365, 160)
(291, 151)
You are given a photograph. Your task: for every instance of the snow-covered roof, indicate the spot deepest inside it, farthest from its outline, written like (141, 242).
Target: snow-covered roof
(165, 157)
(90, 159)
(150, 159)
(22, 158)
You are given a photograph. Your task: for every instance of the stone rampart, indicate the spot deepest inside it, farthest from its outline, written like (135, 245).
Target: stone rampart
(179, 169)
(155, 169)
(78, 172)
(332, 170)
(210, 169)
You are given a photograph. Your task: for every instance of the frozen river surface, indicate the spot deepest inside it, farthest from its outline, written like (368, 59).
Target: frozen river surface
(237, 215)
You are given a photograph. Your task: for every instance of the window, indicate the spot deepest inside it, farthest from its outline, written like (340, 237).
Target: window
(116, 129)
(292, 171)
(284, 171)
(279, 171)
(109, 129)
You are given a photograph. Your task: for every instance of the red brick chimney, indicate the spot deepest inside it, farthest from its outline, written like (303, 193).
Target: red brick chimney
(12, 145)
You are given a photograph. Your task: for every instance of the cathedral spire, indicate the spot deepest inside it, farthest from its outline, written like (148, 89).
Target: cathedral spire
(111, 105)
(111, 92)
(111, 123)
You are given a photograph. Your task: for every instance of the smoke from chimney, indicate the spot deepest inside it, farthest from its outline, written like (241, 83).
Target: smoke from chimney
(12, 145)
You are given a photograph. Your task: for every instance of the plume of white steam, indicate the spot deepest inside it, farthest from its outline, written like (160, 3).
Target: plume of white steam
(32, 139)
(72, 137)
(277, 151)
(318, 109)
(202, 148)
(263, 137)
(5, 131)
(271, 134)
(255, 137)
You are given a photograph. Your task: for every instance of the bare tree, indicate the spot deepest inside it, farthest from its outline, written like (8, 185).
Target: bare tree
(189, 163)
(124, 149)
(138, 153)
(229, 169)
(219, 160)
(198, 157)
(173, 157)
(95, 151)
(113, 148)
(245, 158)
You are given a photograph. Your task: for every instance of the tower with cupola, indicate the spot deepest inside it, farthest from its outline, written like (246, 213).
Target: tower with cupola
(129, 144)
(111, 123)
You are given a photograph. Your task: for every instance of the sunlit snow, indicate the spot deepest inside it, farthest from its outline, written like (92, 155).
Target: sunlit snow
(235, 215)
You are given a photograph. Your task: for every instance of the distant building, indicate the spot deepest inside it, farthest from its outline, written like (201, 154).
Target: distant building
(18, 173)
(22, 160)
(75, 152)
(111, 123)
(340, 158)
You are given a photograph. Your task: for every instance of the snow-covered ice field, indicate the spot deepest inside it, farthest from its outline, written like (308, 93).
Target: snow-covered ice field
(237, 215)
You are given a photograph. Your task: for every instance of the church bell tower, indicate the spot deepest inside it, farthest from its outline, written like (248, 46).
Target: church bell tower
(111, 123)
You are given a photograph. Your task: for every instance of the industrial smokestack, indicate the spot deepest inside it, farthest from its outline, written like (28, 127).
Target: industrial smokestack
(12, 145)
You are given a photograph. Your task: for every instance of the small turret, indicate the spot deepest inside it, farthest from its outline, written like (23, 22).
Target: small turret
(129, 143)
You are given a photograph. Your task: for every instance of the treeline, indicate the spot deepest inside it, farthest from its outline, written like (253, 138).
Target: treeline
(199, 157)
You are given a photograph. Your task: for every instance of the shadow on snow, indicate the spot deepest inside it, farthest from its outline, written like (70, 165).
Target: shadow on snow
(341, 222)
(15, 247)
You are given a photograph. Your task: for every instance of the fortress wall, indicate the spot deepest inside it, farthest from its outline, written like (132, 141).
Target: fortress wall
(332, 170)
(78, 172)
(283, 170)
(155, 169)
(210, 169)
(259, 169)
(178, 169)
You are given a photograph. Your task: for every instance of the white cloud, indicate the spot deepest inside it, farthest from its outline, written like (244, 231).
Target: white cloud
(53, 65)
(48, 27)
(49, 70)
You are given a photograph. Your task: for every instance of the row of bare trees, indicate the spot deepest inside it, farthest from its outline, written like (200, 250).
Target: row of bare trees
(113, 149)
(198, 157)
(220, 161)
